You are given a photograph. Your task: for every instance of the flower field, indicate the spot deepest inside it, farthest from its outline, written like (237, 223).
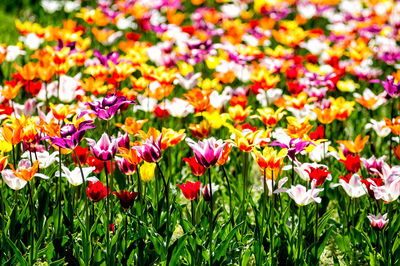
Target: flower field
(198, 132)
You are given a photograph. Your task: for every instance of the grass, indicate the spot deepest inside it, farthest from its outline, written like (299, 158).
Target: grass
(9, 34)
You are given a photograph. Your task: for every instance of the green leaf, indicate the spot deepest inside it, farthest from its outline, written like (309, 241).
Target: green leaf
(178, 250)
(322, 244)
(17, 252)
(222, 248)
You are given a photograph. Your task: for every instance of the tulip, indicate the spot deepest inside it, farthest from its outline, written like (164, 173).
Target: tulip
(302, 196)
(96, 191)
(125, 166)
(147, 171)
(82, 153)
(352, 163)
(126, 198)
(13, 181)
(352, 185)
(295, 146)
(74, 177)
(317, 175)
(207, 152)
(150, 151)
(190, 190)
(197, 169)
(378, 222)
(70, 135)
(108, 107)
(105, 149)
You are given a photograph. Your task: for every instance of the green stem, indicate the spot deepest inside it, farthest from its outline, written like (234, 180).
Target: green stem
(166, 195)
(32, 249)
(211, 214)
(230, 196)
(272, 213)
(264, 203)
(107, 216)
(299, 234)
(86, 204)
(59, 194)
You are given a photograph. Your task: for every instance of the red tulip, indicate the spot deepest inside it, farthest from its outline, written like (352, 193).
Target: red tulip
(196, 168)
(82, 155)
(317, 174)
(97, 191)
(352, 163)
(318, 133)
(126, 198)
(190, 190)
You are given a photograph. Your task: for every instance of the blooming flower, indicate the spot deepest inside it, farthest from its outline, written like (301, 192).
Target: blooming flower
(44, 158)
(379, 127)
(392, 88)
(352, 185)
(317, 175)
(12, 180)
(70, 136)
(105, 149)
(302, 196)
(126, 198)
(206, 191)
(378, 222)
(26, 171)
(147, 171)
(207, 152)
(295, 146)
(352, 163)
(96, 191)
(190, 190)
(150, 151)
(196, 168)
(356, 146)
(108, 107)
(74, 177)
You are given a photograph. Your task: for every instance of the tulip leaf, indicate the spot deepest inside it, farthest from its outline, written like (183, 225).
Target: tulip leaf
(222, 248)
(17, 253)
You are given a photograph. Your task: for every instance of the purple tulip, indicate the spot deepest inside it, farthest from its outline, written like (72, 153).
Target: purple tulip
(295, 146)
(125, 167)
(150, 151)
(111, 56)
(393, 90)
(105, 149)
(207, 152)
(108, 107)
(70, 135)
(123, 141)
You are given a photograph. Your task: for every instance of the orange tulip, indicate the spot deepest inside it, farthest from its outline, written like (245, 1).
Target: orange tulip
(25, 171)
(394, 126)
(131, 125)
(327, 115)
(61, 111)
(199, 99)
(131, 156)
(28, 72)
(10, 89)
(13, 133)
(357, 146)
(225, 155)
(296, 128)
(171, 138)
